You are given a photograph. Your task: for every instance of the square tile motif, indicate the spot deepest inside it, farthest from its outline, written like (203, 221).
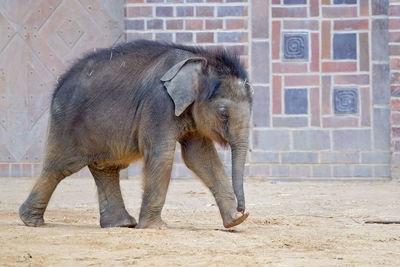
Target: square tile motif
(296, 101)
(295, 46)
(345, 46)
(345, 100)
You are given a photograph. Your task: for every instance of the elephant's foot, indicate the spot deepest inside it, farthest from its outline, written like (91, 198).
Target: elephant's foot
(154, 224)
(31, 217)
(117, 219)
(237, 217)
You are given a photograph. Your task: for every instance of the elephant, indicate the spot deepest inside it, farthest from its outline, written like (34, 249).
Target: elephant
(136, 101)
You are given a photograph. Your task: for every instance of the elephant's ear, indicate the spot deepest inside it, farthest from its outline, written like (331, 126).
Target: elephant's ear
(181, 82)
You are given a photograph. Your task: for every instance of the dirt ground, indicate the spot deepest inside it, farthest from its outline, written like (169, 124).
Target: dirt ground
(290, 224)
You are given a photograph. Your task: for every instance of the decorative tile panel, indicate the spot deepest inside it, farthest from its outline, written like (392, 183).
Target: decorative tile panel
(295, 46)
(345, 100)
(296, 101)
(348, 2)
(345, 46)
(295, 2)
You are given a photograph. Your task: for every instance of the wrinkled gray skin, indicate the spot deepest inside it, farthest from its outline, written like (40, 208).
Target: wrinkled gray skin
(135, 101)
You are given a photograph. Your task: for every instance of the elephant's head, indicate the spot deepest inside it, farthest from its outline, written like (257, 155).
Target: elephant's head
(216, 89)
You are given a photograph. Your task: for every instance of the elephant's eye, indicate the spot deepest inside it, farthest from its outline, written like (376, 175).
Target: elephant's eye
(223, 113)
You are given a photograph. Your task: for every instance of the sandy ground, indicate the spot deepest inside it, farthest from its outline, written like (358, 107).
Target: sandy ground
(290, 224)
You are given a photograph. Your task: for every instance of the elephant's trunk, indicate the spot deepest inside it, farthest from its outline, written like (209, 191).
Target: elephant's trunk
(238, 160)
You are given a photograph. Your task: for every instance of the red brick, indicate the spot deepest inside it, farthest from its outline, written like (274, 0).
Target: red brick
(36, 169)
(326, 39)
(339, 12)
(361, 79)
(315, 107)
(394, 24)
(348, 25)
(184, 37)
(260, 18)
(235, 24)
(205, 37)
(276, 39)
(4, 170)
(174, 24)
(395, 63)
(363, 41)
(238, 49)
(26, 170)
(164, 36)
(139, 11)
(395, 132)
(134, 1)
(213, 24)
(164, 11)
(289, 12)
(326, 2)
(339, 122)
(395, 118)
(394, 37)
(277, 94)
(395, 145)
(314, 52)
(185, 11)
(364, 7)
(314, 8)
(214, 1)
(395, 77)
(232, 37)
(276, 2)
(302, 80)
(204, 11)
(365, 106)
(194, 24)
(300, 25)
(15, 170)
(394, 10)
(339, 66)
(236, 11)
(395, 104)
(286, 67)
(326, 94)
(395, 91)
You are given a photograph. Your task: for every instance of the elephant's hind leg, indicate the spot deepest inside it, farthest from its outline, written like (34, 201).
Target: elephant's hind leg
(111, 204)
(54, 170)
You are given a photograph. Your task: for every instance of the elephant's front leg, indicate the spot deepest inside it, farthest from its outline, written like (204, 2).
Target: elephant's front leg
(202, 158)
(157, 174)
(111, 204)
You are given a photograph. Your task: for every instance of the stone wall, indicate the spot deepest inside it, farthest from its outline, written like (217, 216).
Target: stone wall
(320, 70)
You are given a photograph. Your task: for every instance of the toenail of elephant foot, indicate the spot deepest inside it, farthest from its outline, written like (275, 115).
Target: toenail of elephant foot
(238, 218)
(29, 218)
(117, 221)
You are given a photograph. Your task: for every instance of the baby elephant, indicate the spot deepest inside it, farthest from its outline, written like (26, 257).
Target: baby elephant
(135, 101)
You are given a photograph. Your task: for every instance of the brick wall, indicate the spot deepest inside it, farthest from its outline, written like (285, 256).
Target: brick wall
(394, 48)
(320, 70)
